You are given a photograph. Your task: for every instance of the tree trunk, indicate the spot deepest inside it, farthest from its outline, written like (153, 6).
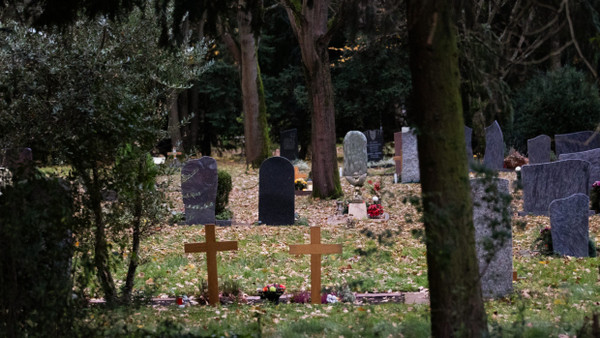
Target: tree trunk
(310, 27)
(455, 290)
(174, 130)
(195, 122)
(255, 114)
(135, 241)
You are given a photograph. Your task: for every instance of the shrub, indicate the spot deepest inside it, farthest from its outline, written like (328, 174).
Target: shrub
(556, 102)
(224, 187)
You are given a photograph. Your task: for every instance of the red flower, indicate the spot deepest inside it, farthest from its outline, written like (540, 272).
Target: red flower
(375, 210)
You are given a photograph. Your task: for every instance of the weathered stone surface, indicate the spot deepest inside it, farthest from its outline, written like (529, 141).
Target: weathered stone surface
(410, 157)
(355, 153)
(493, 235)
(546, 182)
(398, 152)
(276, 192)
(199, 189)
(357, 210)
(289, 144)
(374, 145)
(569, 225)
(538, 149)
(576, 142)
(468, 142)
(592, 156)
(494, 147)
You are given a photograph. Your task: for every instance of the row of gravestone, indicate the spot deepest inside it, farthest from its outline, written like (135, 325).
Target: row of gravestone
(199, 180)
(539, 148)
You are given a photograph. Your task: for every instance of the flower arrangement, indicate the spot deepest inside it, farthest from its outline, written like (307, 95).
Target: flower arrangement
(595, 197)
(272, 292)
(543, 243)
(375, 210)
(300, 184)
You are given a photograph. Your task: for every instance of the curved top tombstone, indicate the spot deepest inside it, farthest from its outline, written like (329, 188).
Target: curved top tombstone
(276, 192)
(576, 142)
(355, 153)
(493, 158)
(538, 149)
(199, 189)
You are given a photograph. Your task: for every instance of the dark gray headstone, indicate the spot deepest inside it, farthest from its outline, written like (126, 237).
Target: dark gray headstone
(410, 157)
(398, 152)
(276, 192)
(15, 158)
(468, 138)
(538, 149)
(569, 225)
(576, 142)
(355, 153)
(199, 189)
(546, 182)
(494, 147)
(592, 156)
(374, 145)
(289, 144)
(493, 235)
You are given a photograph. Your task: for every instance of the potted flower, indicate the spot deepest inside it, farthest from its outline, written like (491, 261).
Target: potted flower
(272, 292)
(375, 210)
(300, 184)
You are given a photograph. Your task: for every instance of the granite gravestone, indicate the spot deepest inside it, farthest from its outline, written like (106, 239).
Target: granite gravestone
(410, 157)
(276, 192)
(355, 153)
(569, 225)
(592, 156)
(538, 149)
(576, 142)
(468, 139)
(398, 152)
(289, 144)
(374, 145)
(493, 235)
(546, 182)
(16, 160)
(494, 147)
(199, 189)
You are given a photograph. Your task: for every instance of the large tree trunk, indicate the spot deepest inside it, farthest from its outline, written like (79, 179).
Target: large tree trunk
(174, 130)
(455, 289)
(255, 114)
(310, 27)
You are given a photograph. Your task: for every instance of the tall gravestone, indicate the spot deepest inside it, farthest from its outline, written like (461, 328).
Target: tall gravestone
(410, 157)
(398, 152)
(576, 142)
(289, 144)
(493, 235)
(494, 147)
(569, 225)
(468, 143)
(355, 153)
(592, 156)
(538, 149)
(199, 189)
(16, 158)
(276, 192)
(546, 182)
(374, 145)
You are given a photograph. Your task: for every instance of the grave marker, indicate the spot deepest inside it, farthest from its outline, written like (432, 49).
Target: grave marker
(538, 149)
(211, 246)
(276, 192)
(569, 225)
(355, 153)
(592, 156)
(374, 145)
(410, 157)
(199, 189)
(289, 144)
(315, 249)
(398, 152)
(494, 147)
(576, 142)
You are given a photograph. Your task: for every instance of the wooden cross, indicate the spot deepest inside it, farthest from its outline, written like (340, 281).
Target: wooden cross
(315, 249)
(211, 246)
(174, 153)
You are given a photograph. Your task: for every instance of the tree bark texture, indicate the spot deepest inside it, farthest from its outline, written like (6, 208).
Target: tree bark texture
(174, 129)
(455, 290)
(310, 27)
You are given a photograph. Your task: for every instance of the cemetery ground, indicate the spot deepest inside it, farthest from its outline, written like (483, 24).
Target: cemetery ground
(552, 296)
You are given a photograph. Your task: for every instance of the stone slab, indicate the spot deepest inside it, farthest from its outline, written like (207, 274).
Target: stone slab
(569, 225)
(276, 192)
(410, 158)
(355, 153)
(592, 156)
(538, 149)
(576, 142)
(493, 157)
(199, 189)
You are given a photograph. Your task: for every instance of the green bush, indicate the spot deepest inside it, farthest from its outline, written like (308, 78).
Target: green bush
(223, 189)
(556, 102)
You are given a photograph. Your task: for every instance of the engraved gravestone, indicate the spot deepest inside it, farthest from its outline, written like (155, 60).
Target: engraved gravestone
(398, 152)
(199, 190)
(576, 142)
(276, 192)
(546, 182)
(468, 138)
(493, 235)
(289, 144)
(355, 153)
(592, 156)
(374, 145)
(569, 225)
(410, 157)
(538, 149)
(494, 147)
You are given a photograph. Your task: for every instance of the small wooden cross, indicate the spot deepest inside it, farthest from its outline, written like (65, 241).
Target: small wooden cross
(174, 153)
(211, 246)
(315, 249)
